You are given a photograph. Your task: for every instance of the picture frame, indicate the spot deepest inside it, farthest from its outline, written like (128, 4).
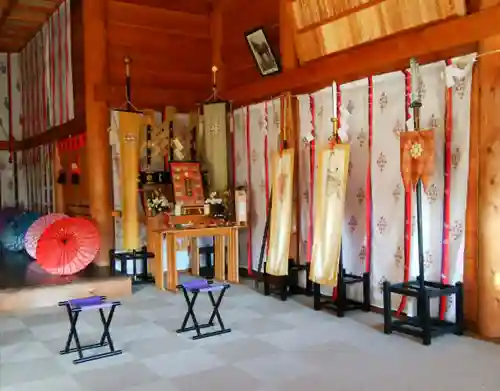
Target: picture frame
(264, 56)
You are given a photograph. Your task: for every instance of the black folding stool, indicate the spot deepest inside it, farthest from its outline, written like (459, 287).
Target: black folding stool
(74, 307)
(203, 286)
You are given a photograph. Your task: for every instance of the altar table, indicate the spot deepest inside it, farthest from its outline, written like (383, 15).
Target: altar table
(221, 235)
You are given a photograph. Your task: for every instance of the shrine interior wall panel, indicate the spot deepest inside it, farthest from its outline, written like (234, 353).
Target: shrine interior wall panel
(10, 128)
(46, 75)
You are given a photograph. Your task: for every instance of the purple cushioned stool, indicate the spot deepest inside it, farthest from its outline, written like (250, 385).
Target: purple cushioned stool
(203, 286)
(74, 307)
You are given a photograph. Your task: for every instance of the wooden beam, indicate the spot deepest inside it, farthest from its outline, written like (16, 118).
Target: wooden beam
(289, 58)
(98, 155)
(488, 281)
(375, 57)
(4, 145)
(188, 6)
(70, 128)
(7, 11)
(27, 16)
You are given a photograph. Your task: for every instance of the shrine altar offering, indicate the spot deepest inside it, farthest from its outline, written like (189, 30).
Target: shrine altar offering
(330, 194)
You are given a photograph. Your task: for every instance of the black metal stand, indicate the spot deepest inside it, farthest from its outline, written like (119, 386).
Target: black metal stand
(423, 325)
(282, 286)
(135, 255)
(73, 314)
(207, 271)
(341, 303)
(190, 301)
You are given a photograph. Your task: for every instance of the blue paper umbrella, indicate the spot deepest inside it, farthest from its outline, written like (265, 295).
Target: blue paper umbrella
(8, 214)
(12, 237)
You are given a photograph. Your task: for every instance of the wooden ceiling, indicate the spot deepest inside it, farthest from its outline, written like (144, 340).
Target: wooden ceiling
(20, 20)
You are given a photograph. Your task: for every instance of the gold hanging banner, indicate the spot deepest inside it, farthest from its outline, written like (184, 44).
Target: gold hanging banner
(417, 158)
(130, 126)
(330, 194)
(281, 213)
(215, 144)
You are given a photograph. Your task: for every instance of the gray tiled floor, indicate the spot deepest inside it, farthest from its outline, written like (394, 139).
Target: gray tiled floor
(274, 346)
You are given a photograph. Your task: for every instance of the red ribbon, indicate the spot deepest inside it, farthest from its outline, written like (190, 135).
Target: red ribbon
(266, 154)
(233, 142)
(339, 105)
(445, 266)
(408, 205)
(9, 97)
(368, 247)
(337, 140)
(249, 198)
(266, 164)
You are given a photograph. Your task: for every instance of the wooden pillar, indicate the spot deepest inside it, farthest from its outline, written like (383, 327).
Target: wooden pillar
(489, 186)
(97, 120)
(288, 62)
(287, 36)
(471, 229)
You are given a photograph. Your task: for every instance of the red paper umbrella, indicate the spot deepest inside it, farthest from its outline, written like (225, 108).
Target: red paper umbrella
(36, 230)
(68, 246)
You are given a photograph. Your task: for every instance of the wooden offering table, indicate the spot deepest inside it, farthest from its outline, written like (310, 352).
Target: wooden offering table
(221, 234)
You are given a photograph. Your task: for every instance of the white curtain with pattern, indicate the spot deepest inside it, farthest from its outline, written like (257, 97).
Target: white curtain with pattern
(354, 119)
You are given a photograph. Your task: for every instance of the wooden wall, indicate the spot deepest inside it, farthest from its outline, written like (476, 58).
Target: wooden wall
(75, 196)
(471, 256)
(238, 17)
(170, 47)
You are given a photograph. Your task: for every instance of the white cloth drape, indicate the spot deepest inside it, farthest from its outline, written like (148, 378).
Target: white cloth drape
(460, 145)
(257, 172)
(241, 172)
(354, 118)
(388, 191)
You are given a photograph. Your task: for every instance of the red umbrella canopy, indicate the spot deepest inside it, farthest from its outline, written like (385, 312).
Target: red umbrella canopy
(68, 246)
(37, 229)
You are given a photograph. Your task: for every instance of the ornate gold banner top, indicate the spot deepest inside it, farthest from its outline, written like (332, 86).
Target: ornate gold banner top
(417, 158)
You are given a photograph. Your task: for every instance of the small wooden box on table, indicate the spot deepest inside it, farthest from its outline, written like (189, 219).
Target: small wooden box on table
(223, 235)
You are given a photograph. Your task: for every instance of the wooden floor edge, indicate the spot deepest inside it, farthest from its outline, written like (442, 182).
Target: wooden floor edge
(13, 300)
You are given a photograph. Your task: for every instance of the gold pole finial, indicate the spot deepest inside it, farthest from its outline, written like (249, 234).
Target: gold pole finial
(335, 132)
(127, 62)
(214, 76)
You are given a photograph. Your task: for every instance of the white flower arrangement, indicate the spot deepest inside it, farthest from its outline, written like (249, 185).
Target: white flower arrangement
(212, 200)
(157, 203)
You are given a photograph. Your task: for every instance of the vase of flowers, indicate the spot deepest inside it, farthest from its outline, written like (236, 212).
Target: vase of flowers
(158, 205)
(216, 205)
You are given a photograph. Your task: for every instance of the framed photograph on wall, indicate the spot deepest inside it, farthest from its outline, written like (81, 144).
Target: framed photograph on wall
(262, 53)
